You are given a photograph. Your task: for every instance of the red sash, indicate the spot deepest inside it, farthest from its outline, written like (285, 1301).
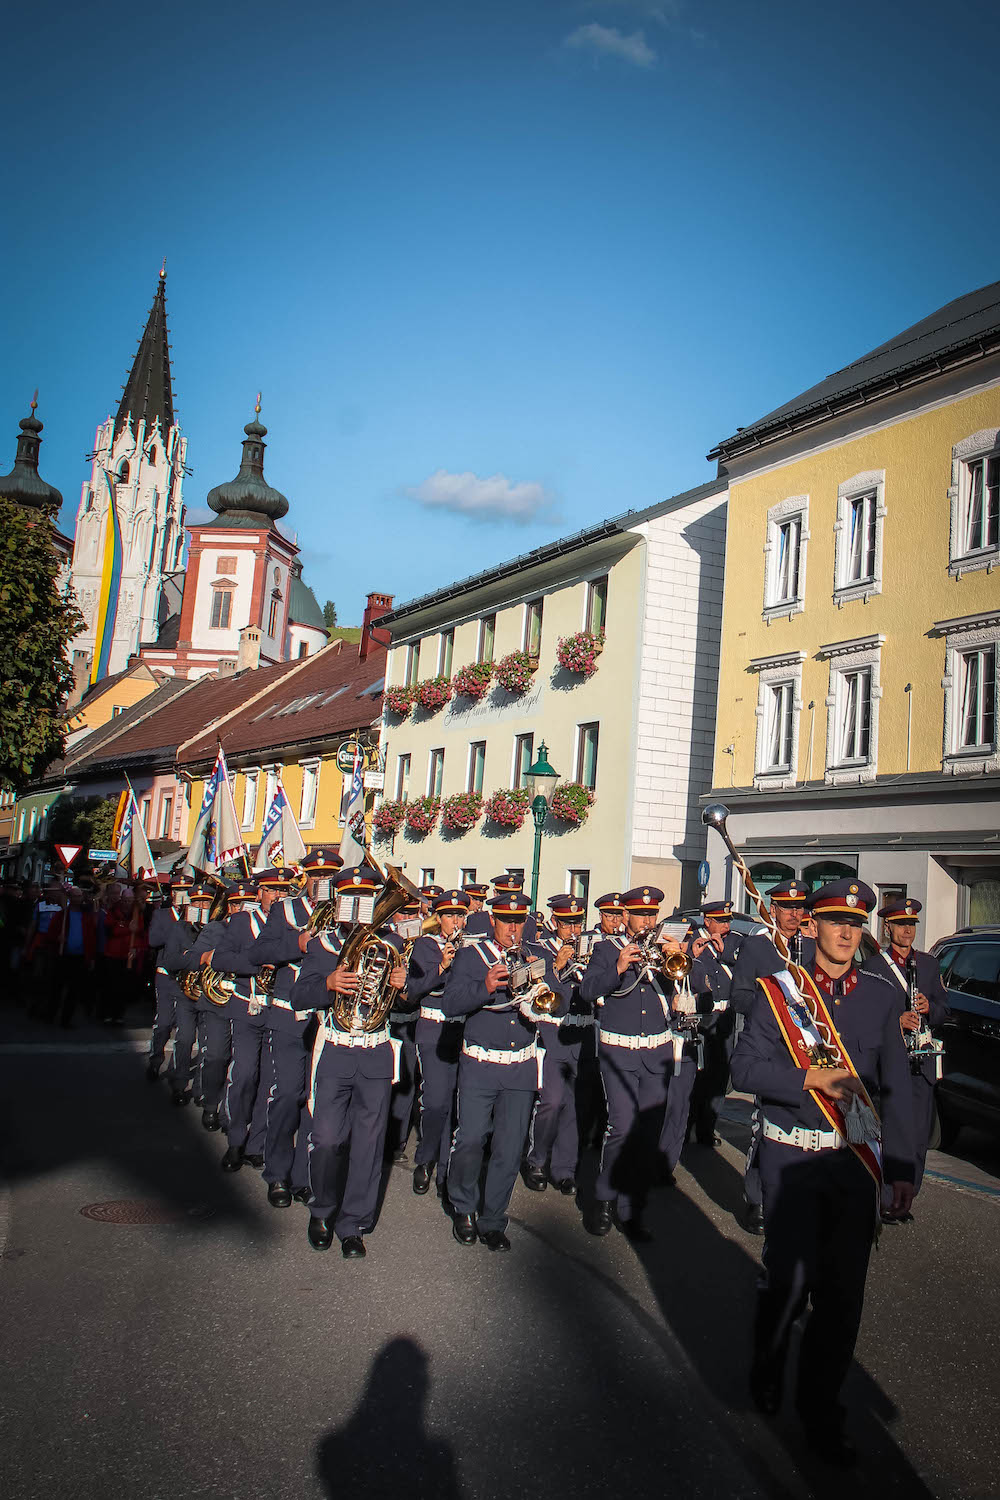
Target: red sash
(801, 1032)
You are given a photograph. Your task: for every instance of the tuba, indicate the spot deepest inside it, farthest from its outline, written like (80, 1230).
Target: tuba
(374, 958)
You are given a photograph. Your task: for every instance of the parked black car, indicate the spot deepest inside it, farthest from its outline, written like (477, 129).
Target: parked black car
(969, 1090)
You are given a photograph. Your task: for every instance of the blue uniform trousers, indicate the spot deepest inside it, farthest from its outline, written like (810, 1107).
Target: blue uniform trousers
(285, 1092)
(404, 1093)
(709, 1092)
(183, 1064)
(635, 1088)
(819, 1219)
(168, 994)
(483, 1108)
(680, 1086)
(555, 1133)
(923, 1121)
(438, 1048)
(752, 1190)
(243, 1076)
(215, 1040)
(350, 1110)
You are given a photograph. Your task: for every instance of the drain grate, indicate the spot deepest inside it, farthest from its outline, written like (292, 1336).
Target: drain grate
(143, 1211)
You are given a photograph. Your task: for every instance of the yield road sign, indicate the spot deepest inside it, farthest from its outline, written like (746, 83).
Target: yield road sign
(68, 852)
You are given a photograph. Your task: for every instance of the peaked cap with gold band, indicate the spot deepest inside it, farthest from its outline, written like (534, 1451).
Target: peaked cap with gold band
(722, 911)
(568, 908)
(610, 902)
(789, 893)
(642, 898)
(356, 880)
(451, 903)
(510, 905)
(507, 882)
(276, 877)
(901, 910)
(321, 862)
(477, 890)
(843, 899)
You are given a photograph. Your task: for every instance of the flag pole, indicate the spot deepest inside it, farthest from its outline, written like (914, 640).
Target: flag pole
(245, 856)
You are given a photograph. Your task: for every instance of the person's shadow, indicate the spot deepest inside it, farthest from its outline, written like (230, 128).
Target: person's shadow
(384, 1450)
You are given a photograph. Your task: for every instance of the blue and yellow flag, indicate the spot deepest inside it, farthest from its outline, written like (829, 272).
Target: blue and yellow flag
(111, 577)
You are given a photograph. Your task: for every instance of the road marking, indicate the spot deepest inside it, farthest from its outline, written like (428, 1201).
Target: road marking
(963, 1184)
(66, 1049)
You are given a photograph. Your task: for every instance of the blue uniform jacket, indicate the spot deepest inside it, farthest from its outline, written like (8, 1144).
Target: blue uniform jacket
(234, 954)
(867, 1019)
(309, 992)
(929, 983)
(757, 958)
(567, 1032)
(494, 1021)
(179, 940)
(480, 924)
(628, 1008)
(717, 964)
(161, 924)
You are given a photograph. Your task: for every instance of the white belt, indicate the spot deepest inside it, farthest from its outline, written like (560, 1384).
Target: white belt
(400, 1017)
(300, 1015)
(339, 1038)
(427, 1013)
(721, 1005)
(806, 1140)
(490, 1055)
(636, 1043)
(573, 1020)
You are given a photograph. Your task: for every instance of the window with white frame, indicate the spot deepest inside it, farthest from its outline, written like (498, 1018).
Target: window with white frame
(858, 536)
(446, 653)
(578, 884)
(524, 754)
(785, 557)
(166, 815)
(435, 773)
(779, 704)
(270, 783)
(427, 875)
(412, 663)
(596, 618)
(467, 876)
(310, 789)
(587, 737)
(852, 709)
(477, 766)
(249, 816)
(402, 777)
(974, 494)
(533, 627)
(144, 812)
(971, 693)
(222, 607)
(487, 638)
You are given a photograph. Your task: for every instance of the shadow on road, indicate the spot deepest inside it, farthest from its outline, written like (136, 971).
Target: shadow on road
(384, 1448)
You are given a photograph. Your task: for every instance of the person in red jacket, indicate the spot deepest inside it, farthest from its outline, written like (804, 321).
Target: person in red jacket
(124, 952)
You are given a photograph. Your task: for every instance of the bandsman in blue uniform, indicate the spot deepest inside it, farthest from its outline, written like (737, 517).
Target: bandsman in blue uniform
(193, 905)
(438, 1039)
(692, 1010)
(757, 958)
(635, 1056)
(821, 1161)
(499, 1070)
(215, 1026)
(717, 951)
(610, 914)
(173, 1011)
(909, 968)
(403, 1029)
(477, 891)
(554, 1136)
(481, 923)
(350, 1083)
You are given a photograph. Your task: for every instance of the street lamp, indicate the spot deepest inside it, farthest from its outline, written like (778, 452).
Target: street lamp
(541, 782)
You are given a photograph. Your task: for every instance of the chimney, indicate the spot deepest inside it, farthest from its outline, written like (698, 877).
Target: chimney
(377, 606)
(249, 653)
(81, 679)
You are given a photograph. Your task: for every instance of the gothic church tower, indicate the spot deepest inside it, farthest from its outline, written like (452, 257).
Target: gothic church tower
(130, 523)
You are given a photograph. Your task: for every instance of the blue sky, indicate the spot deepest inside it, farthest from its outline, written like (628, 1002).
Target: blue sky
(499, 270)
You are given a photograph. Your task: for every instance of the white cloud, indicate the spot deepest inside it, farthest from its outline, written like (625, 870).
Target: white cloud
(608, 41)
(494, 499)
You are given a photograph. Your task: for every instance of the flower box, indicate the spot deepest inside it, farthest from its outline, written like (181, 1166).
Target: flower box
(514, 672)
(473, 681)
(387, 819)
(422, 814)
(398, 701)
(461, 812)
(508, 807)
(433, 693)
(578, 653)
(571, 803)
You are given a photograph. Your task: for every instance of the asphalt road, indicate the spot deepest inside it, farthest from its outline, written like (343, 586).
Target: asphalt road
(213, 1354)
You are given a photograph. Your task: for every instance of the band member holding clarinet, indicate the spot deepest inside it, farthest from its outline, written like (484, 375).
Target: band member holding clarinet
(925, 1004)
(823, 1052)
(438, 1040)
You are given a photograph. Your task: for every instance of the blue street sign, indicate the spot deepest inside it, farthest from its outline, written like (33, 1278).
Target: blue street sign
(703, 873)
(100, 856)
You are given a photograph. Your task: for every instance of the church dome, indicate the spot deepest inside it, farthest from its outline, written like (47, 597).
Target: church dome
(24, 484)
(248, 500)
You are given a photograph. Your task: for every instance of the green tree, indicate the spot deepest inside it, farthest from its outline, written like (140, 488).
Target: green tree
(329, 614)
(90, 822)
(37, 623)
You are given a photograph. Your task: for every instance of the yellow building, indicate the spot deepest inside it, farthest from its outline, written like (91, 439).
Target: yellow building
(635, 733)
(857, 710)
(110, 697)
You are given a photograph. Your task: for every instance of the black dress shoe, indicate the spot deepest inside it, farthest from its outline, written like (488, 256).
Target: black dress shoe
(709, 1140)
(753, 1217)
(180, 1099)
(254, 1159)
(210, 1119)
(495, 1239)
(233, 1159)
(832, 1446)
(279, 1195)
(599, 1219)
(636, 1232)
(353, 1248)
(152, 1072)
(320, 1233)
(422, 1175)
(535, 1179)
(566, 1186)
(301, 1195)
(464, 1229)
(197, 1101)
(765, 1388)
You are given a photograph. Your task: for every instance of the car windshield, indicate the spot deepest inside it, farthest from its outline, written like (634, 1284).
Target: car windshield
(975, 970)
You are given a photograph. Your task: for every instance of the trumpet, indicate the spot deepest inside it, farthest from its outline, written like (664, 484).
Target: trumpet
(526, 984)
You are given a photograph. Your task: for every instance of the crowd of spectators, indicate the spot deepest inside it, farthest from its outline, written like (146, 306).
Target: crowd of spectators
(70, 952)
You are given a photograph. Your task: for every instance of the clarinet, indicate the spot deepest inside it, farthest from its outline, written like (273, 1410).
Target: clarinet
(915, 1040)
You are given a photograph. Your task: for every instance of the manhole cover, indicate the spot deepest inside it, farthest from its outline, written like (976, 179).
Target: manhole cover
(143, 1211)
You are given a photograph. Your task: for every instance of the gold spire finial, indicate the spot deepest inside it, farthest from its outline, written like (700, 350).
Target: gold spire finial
(163, 270)
(34, 402)
(256, 410)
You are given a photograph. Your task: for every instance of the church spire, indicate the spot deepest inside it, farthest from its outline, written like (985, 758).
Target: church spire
(24, 483)
(148, 392)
